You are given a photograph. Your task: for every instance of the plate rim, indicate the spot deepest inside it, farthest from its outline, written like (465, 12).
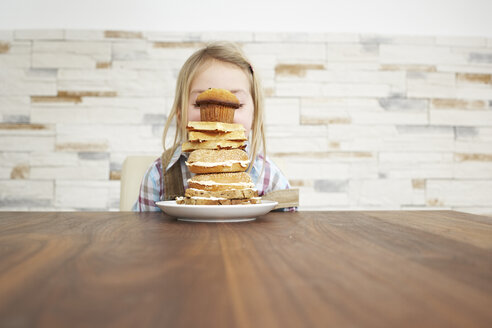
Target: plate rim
(211, 213)
(172, 203)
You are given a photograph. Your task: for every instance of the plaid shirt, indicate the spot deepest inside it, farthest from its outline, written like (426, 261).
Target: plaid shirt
(152, 187)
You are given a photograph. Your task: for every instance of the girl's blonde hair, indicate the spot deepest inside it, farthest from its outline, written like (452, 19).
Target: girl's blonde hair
(224, 52)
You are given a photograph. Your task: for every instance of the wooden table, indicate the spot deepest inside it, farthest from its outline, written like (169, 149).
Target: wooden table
(306, 269)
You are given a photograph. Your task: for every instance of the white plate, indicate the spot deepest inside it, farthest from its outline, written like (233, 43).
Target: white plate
(216, 213)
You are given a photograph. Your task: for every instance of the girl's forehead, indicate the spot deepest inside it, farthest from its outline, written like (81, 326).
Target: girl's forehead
(217, 74)
(212, 63)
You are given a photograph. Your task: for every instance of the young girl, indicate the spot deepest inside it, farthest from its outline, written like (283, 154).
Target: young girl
(218, 65)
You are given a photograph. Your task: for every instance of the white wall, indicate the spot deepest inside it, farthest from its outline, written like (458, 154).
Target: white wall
(354, 121)
(417, 17)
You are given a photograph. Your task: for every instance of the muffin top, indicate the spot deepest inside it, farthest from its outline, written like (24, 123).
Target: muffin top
(219, 97)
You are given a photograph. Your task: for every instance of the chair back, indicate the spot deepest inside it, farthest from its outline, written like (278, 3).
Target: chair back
(132, 172)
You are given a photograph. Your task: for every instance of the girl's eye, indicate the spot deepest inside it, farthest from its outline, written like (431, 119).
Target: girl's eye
(195, 105)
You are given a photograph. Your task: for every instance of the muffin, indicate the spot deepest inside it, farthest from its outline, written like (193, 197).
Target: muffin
(217, 105)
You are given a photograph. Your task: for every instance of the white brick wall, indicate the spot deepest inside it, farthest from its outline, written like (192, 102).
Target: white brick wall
(355, 121)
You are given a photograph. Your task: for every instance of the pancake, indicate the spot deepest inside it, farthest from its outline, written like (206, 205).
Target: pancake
(214, 126)
(199, 136)
(221, 181)
(224, 194)
(218, 161)
(209, 201)
(213, 144)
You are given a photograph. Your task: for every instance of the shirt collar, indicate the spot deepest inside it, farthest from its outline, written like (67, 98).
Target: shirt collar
(176, 156)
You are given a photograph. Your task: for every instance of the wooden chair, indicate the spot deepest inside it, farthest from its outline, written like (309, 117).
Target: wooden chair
(132, 172)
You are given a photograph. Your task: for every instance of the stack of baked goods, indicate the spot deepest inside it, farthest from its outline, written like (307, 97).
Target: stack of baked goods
(217, 154)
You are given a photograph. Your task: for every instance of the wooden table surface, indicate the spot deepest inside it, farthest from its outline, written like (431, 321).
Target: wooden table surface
(306, 269)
